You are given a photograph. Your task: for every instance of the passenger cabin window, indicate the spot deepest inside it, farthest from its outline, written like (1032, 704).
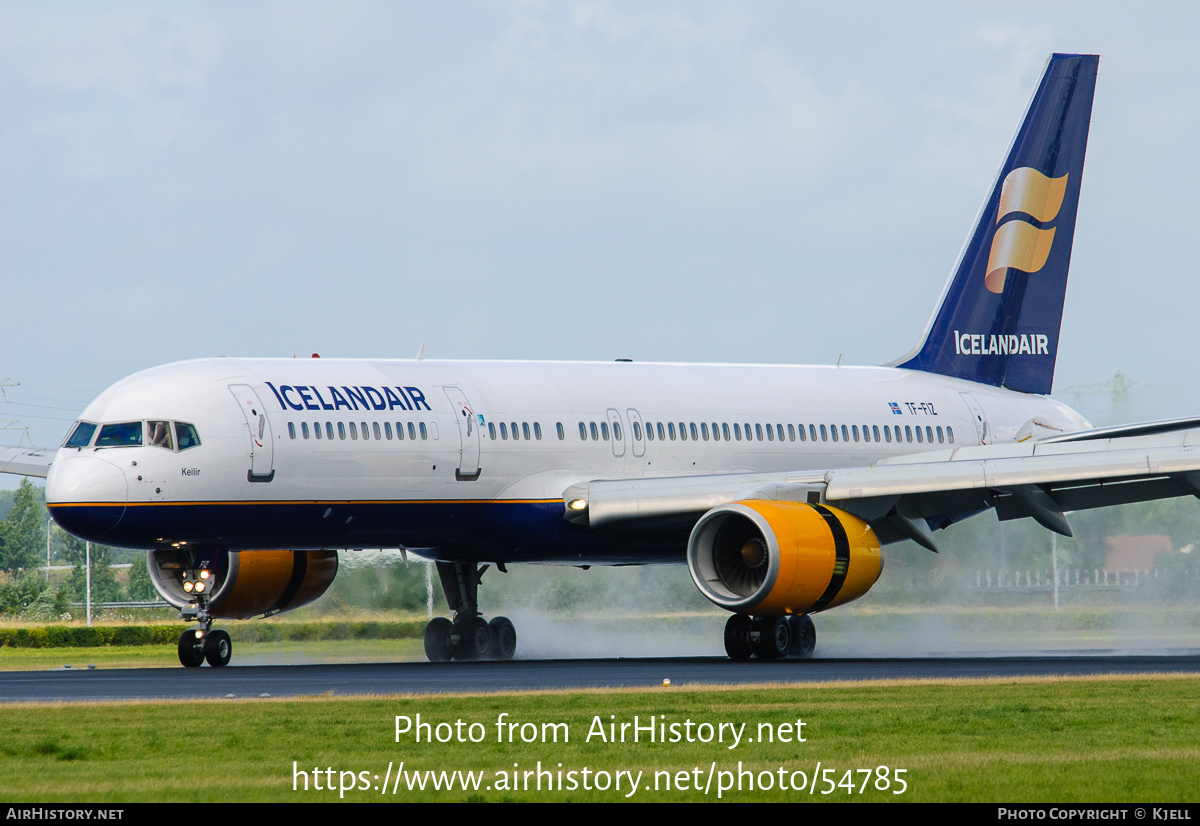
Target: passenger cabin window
(562, 434)
(637, 432)
(583, 431)
(304, 429)
(525, 430)
(604, 430)
(802, 433)
(503, 431)
(725, 431)
(617, 437)
(125, 434)
(537, 431)
(316, 429)
(875, 430)
(941, 435)
(854, 431)
(412, 430)
(650, 431)
(81, 436)
(291, 430)
(375, 428)
(424, 432)
(950, 435)
(659, 429)
(824, 436)
(516, 434)
(353, 431)
(492, 430)
(341, 430)
(595, 431)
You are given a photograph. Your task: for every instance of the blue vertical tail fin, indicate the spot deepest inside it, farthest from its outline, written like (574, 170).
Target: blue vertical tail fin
(999, 317)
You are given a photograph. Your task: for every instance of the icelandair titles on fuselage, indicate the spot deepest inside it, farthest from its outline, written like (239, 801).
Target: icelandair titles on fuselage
(309, 397)
(982, 344)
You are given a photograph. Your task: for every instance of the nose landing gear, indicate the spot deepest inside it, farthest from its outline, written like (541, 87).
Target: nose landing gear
(198, 645)
(469, 636)
(770, 638)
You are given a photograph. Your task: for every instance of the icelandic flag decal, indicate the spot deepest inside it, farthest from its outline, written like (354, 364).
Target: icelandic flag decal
(895, 408)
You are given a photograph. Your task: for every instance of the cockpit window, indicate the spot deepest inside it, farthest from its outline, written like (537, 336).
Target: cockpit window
(81, 436)
(158, 434)
(125, 434)
(186, 436)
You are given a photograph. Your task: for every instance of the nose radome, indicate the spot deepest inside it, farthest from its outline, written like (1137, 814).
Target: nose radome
(78, 479)
(86, 495)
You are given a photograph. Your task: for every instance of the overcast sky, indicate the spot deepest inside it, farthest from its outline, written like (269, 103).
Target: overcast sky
(735, 181)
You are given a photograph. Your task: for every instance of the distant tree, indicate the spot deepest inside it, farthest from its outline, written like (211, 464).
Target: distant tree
(23, 532)
(105, 587)
(20, 592)
(140, 586)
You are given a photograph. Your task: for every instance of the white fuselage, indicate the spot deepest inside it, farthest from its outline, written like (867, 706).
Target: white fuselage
(261, 478)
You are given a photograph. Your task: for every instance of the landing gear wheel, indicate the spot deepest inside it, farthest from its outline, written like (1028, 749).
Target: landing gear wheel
(804, 636)
(503, 637)
(218, 648)
(437, 639)
(775, 638)
(737, 637)
(473, 639)
(191, 650)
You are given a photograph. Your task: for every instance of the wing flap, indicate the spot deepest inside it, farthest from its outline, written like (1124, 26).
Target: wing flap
(26, 461)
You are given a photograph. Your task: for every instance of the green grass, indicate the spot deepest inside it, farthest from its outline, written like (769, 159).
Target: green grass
(1065, 740)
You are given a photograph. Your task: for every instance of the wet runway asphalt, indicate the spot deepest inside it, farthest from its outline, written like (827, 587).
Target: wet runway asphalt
(439, 678)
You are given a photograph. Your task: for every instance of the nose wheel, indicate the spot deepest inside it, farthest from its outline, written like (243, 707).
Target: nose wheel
(200, 645)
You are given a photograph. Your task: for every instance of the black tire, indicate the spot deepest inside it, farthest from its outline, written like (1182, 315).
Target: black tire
(191, 650)
(775, 638)
(218, 648)
(437, 639)
(737, 637)
(503, 639)
(471, 639)
(804, 637)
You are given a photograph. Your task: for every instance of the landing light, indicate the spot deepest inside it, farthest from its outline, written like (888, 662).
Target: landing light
(199, 587)
(204, 574)
(577, 504)
(187, 586)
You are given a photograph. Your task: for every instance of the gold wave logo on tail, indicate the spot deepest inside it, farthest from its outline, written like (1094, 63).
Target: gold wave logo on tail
(1018, 244)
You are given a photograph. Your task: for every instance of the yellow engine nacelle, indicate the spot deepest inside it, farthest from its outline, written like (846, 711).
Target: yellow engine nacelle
(773, 558)
(242, 584)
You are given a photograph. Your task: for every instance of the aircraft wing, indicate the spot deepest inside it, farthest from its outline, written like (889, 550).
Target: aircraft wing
(907, 497)
(26, 461)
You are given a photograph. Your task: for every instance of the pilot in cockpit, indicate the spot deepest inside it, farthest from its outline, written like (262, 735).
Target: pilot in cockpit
(159, 434)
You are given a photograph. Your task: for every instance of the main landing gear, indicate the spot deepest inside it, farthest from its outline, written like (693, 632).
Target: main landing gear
(770, 638)
(202, 644)
(469, 636)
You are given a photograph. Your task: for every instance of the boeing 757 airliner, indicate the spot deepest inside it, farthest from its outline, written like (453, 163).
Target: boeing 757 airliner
(775, 484)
